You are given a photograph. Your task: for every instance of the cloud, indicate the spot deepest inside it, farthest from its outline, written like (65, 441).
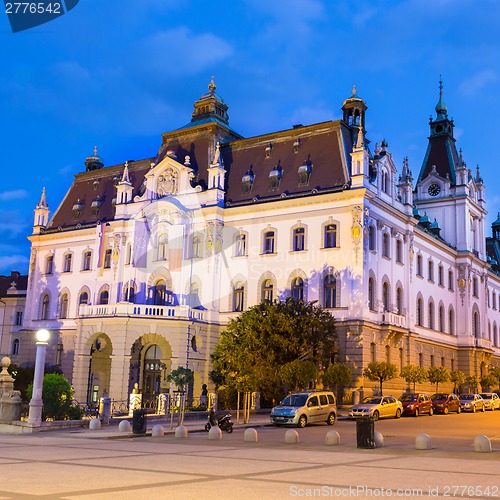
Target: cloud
(17, 262)
(17, 194)
(12, 224)
(478, 82)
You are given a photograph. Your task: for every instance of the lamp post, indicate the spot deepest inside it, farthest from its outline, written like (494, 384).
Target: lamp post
(36, 403)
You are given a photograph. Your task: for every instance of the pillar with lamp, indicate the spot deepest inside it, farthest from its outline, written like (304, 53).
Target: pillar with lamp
(36, 403)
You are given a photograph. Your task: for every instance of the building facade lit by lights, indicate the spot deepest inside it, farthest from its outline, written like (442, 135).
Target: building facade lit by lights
(143, 263)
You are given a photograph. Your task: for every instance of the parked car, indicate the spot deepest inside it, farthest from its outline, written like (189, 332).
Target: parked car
(416, 403)
(472, 402)
(377, 407)
(444, 403)
(491, 400)
(302, 408)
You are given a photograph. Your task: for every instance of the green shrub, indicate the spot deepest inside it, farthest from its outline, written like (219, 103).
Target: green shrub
(57, 396)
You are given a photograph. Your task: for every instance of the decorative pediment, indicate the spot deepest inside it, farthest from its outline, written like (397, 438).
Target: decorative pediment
(168, 178)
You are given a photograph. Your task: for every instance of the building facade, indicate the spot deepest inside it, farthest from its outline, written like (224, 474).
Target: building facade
(143, 263)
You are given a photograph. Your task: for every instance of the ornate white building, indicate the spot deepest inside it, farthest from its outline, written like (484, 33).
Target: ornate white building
(143, 263)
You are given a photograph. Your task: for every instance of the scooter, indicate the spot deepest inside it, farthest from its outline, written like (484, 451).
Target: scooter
(224, 423)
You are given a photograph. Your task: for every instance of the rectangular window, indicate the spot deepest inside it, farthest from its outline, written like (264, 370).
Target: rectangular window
(49, 267)
(440, 276)
(67, 262)
(331, 236)
(87, 261)
(128, 254)
(299, 239)
(431, 270)
(19, 318)
(450, 280)
(241, 245)
(107, 258)
(268, 242)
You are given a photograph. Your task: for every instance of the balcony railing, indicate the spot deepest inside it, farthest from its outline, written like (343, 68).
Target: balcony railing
(140, 310)
(388, 318)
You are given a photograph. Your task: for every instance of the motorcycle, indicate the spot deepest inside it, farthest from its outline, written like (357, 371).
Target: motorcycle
(224, 423)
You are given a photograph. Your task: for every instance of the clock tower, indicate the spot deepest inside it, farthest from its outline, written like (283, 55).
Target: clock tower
(446, 189)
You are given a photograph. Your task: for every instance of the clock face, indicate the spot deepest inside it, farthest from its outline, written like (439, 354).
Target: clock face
(434, 189)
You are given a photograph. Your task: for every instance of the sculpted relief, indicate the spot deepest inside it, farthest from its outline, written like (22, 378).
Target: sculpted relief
(167, 182)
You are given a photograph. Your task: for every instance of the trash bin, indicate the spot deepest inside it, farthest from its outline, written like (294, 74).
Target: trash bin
(139, 421)
(365, 429)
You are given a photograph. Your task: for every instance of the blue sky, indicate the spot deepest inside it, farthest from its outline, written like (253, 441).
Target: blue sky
(118, 73)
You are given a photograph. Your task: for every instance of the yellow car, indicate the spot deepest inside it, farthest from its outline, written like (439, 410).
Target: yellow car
(377, 407)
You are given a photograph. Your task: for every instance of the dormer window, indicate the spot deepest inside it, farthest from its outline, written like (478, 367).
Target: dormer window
(305, 173)
(96, 206)
(247, 181)
(96, 184)
(275, 177)
(116, 180)
(77, 209)
(296, 145)
(269, 149)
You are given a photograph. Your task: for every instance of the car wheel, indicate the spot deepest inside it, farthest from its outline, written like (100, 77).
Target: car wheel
(459, 410)
(302, 421)
(376, 415)
(484, 408)
(474, 409)
(445, 411)
(416, 412)
(331, 419)
(398, 413)
(431, 411)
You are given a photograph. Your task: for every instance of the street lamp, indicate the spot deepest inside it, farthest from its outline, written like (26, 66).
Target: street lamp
(36, 403)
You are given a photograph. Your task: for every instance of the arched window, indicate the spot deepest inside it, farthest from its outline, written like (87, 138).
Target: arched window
(441, 318)
(129, 294)
(160, 293)
(104, 297)
(87, 260)
(399, 251)
(67, 262)
(385, 295)
(420, 312)
(373, 352)
(494, 298)
(239, 297)
(371, 294)
(450, 280)
(15, 347)
(475, 325)
(241, 245)
(388, 353)
(399, 300)
(45, 307)
(440, 275)
(420, 360)
(431, 270)
(267, 290)
(451, 321)
(84, 298)
(329, 291)
(372, 238)
(475, 292)
(431, 315)
(432, 361)
(298, 288)
(63, 311)
(495, 335)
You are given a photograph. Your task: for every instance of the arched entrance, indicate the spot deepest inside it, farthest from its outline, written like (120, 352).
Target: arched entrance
(150, 363)
(99, 367)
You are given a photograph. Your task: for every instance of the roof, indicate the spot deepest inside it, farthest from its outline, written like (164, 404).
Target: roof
(20, 280)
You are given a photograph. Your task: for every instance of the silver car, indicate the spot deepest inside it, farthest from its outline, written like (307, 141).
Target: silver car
(305, 407)
(377, 407)
(472, 402)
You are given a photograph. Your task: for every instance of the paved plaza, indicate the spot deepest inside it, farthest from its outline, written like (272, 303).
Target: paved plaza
(107, 464)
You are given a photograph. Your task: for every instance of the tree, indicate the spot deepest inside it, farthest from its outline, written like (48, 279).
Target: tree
(488, 381)
(496, 373)
(438, 374)
(266, 337)
(414, 375)
(337, 374)
(57, 396)
(380, 371)
(457, 377)
(297, 374)
(181, 377)
(473, 382)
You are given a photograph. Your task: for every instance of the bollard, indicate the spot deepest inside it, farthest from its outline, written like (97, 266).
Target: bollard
(423, 442)
(251, 436)
(378, 438)
(105, 410)
(482, 444)
(215, 433)
(181, 432)
(124, 426)
(291, 436)
(94, 424)
(157, 430)
(332, 438)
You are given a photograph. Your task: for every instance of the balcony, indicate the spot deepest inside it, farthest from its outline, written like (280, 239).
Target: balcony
(388, 318)
(484, 343)
(126, 309)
